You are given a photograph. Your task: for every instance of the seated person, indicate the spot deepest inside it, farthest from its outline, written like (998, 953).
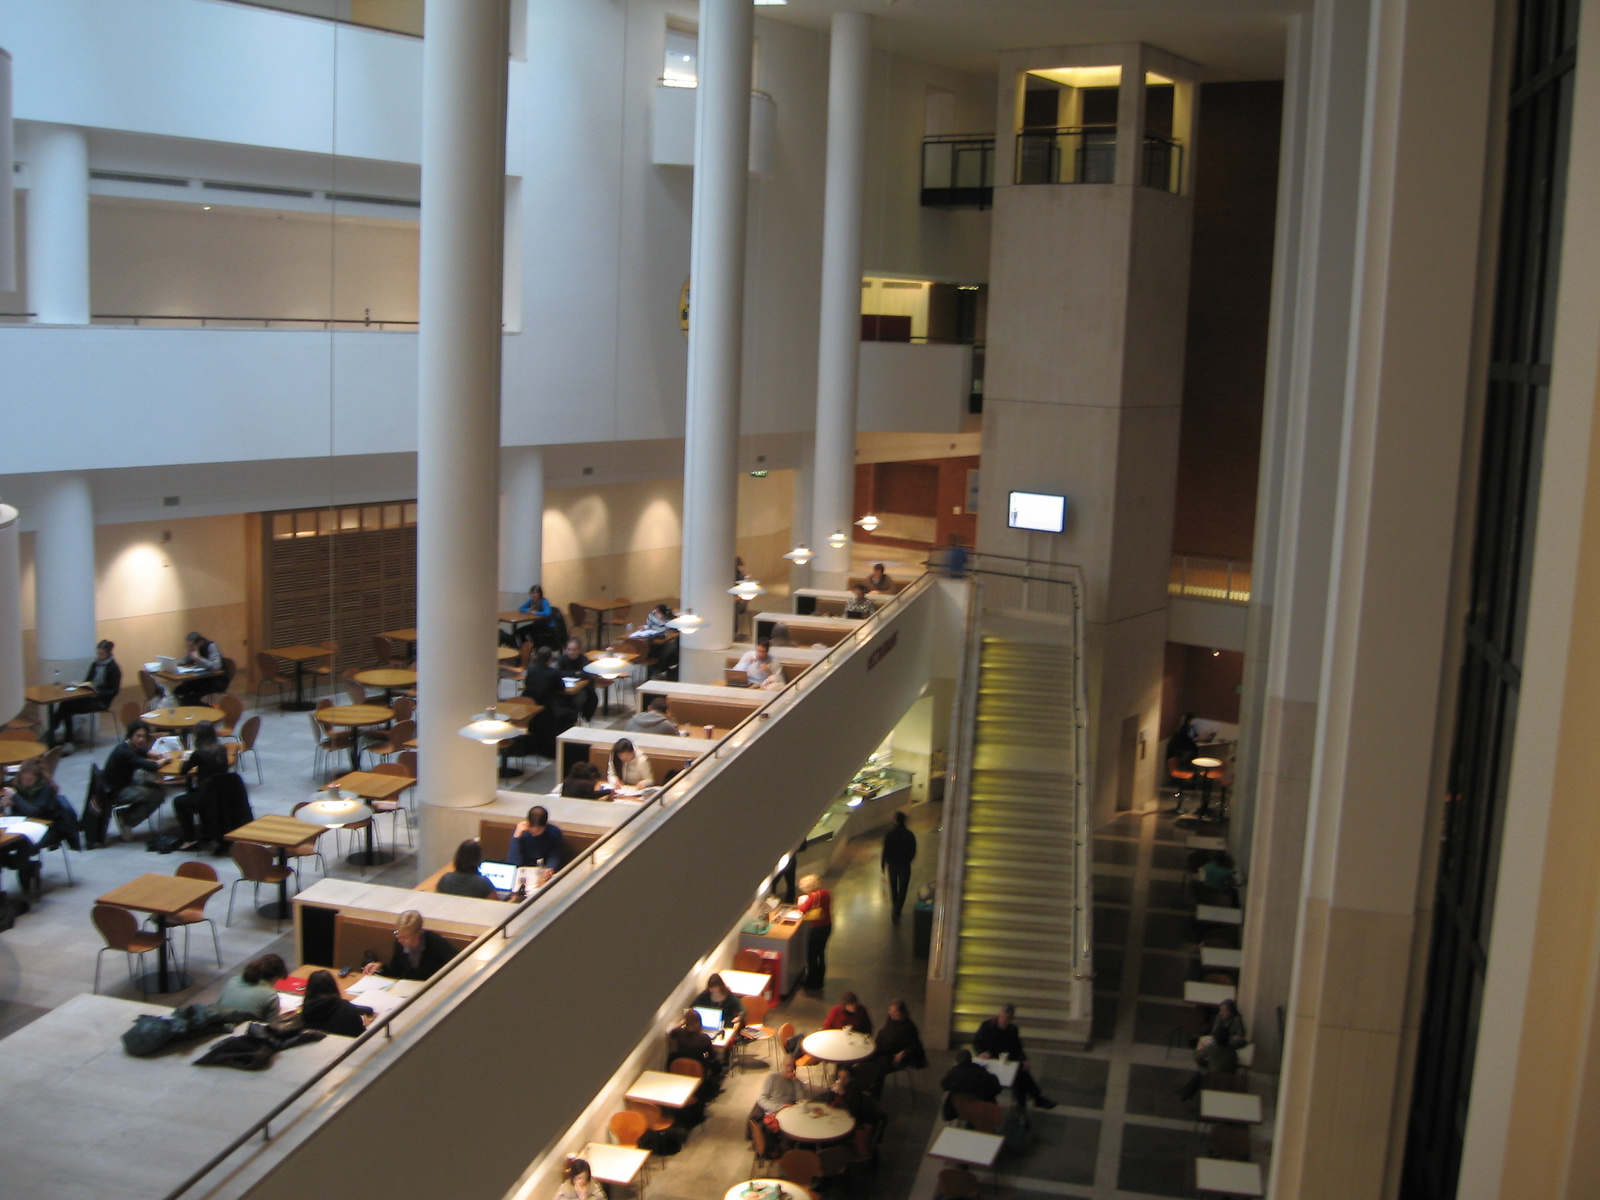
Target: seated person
(200, 651)
(779, 635)
(655, 623)
(571, 663)
(719, 997)
(536, 605)
(899, 1045)
(859, 608)
(583, 782)
(544, 686)
(580, 1183)
(653, 719)
(196, 820)
(783, 1088)
(878, 581)
(325, 1009)
(849, 1014)
(1218, 1050)
(417, 953)
(537, 843)
(998, 1038)
(852, 1090)
(251, 990)
(463, 879)
(967, 1078)
(688, 1039)
(105, 676)
(35, 796)
(760, 669)
(628, 767)
(1219, 877)
(126, 778)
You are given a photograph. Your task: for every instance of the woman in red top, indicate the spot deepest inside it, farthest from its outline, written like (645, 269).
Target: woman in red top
(817, 905)
(850, 1014)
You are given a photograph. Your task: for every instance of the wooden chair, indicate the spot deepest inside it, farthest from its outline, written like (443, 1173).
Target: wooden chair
(982, 1115)
(353, 691)
(833, 1162)
(1188, 1024)
(387, 653)
(148, 685)
(760, 1148)
(395, 808)
(25, 726)
(754, 1032)
(687, 1066)
(193, 916)
(517, 669)
(311, 849)
(256, 867)
(128, 714)
(268, 671)
(956, 1183)
(394, 739)
(232, 709)
(581, 619)
(403, 707)
(120, 928)
(654, 1118)
(325, 741)
(748, 960)
(51, 758)
(18, 733)
(800, 1166)
(248, 732)
(628, 1127)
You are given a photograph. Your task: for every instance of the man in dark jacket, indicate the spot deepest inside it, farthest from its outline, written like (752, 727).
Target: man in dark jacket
(105, 676)
(544, 686)
(998, 1038)
(418, 952)
(899, 849)
(125, 778)
(967, 1078)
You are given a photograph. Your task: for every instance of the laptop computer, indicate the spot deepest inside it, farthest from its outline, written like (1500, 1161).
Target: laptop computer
(710, 1019)
(166, 663)
(502, 874)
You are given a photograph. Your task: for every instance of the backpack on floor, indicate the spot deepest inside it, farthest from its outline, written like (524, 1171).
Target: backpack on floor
(1016, 1131)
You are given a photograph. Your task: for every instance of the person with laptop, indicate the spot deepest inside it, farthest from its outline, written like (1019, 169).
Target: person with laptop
(537, 843)
(688, 1039)
(760, 669)
(719, 999)
(203, 659)
(464, 878)
(417, 953)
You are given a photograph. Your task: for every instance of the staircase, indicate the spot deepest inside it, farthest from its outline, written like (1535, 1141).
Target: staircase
(1020, 889)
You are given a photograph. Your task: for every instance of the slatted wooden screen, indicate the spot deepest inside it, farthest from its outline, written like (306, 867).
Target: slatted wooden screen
(340, 574)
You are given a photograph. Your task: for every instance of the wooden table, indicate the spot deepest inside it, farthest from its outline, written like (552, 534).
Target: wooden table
(172, 679)
(1209, 994)
(283, 834)
(408, 636)
(52, 694)
(1227, 1177)
(967, 1146)
(602, 610)
(299, 656)
(506, 653)
(746, 983)
(387, 678)
(1235, 1108)
(162, 896)
(172, 765)
(838, 1045)
(814, 1122)
(184, 718)
(18, 750)
(354, 716)
(1221, 956)
(372, 786)
(615, 1164)
(663, 1088)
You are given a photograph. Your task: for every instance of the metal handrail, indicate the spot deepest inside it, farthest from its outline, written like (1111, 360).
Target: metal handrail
(674, 790)
(324, 322)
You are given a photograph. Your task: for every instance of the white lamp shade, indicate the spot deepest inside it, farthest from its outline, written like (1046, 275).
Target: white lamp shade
(488, 727)
(868, 522)
(838, 540)
(612, 666)
(686, 622)
(747, 589)
(800, 555)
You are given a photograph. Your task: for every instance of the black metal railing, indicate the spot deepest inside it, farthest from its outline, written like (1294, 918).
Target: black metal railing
(958, 170)
(1088, 154)
(1163, 163)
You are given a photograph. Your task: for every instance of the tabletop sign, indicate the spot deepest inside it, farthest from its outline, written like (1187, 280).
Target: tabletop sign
(878, 655)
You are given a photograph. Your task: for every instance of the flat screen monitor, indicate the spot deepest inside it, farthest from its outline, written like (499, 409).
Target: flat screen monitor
(710, 1019)
(1034, 510)
(502, 874)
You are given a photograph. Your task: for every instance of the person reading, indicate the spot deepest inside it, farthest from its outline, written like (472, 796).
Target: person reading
(760, 669)
(998, 1038)
(251, 990)
(205, 657)
(417, 952)
(105, 677)
(325, 1009)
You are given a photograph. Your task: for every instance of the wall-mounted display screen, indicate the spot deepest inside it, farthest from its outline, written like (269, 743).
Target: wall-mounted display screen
(1034, 510)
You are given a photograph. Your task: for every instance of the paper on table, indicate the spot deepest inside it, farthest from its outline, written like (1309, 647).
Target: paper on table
(32, 830)
(288, 1003)
(369, 983)
(381, 1002)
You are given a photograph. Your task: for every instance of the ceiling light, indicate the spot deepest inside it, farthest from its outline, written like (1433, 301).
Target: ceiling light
(488, 727)
(800, 555)
(611, 665)
(686, 622)
(838, 540)
(765, 3)
(868, 522)
(747, 589)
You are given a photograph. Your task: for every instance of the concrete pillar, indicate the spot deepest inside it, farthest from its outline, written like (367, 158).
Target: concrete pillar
(1131, 120)
(63, 567)
(839, 332)
(8, 211)
(716, 322)
(58, 225)
(458, 402)
(1319, 191)
(11, 673)
(521, 522)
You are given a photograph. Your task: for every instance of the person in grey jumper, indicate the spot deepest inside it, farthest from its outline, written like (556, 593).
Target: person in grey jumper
(653, 719)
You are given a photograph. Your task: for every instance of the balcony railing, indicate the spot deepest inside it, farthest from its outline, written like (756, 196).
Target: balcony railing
(958, 170)
(1088, 154)
(206, 321)
(1209, 579)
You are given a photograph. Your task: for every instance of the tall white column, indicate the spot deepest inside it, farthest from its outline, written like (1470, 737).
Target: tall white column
(11, 674)
(8, 211)
(63, 568)
(521, 522)
(805, 489)
(839, 335)
(458, 402)
(58, 225)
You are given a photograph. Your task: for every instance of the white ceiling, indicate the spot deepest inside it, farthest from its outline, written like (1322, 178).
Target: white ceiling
(1231, 39)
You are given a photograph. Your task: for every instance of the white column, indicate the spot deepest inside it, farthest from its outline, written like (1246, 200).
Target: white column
(839, 334)
(800, 524)
(58, 225)
(458, 402)
(63, 571)
(1131, 120)
(521, 522)
(716, 320)
(8, 211)
(11, 675)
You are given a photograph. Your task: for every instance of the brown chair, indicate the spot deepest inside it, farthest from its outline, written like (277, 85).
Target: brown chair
(255, 866)
(580, 620)
(120, 928)
(395, 808)
(760, 1147)
(51, 758)
(248, 732)
(18, 733)
(800, 1166)
(517, 669)
(232, 709)
(310, 849)
(268, 671)
(1229, 1141)
(833, 1162)
(982, 1115)
(394, 739)
(26, 725)
(128, 714)
(687, 1066)
(387, 653)
(628, 1127)
(754, 1032)
(148, 685)
(326, 741)
(748, 960)
(956, 1183)
(193, 916)
(652, 1114)
(403, 707)
(1189, 1023)
(353, 691)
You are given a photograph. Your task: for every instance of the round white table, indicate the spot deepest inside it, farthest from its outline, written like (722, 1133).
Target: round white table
(751, 1188)
(838, 1045)
(814, 1122)
(1209, 764)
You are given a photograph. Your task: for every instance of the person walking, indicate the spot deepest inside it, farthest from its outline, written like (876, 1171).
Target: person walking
(899, 851)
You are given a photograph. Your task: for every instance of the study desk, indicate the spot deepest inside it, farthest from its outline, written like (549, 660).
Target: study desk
(663, 1088)
(745, 983)
(1217, 914)
(1005, 1072)
(319, 909)
(578, 743)
(615, 1164)
(967, 1146)
(823, 601)
(172, 765)
(806, 631)
(1224, 957)
(1227, 1177)
(52, 694)
(163, 897)
(299, 656)
(1210, 994)
(1236, 1108)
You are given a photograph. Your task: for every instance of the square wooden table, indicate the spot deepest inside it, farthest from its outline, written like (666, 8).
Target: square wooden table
(1195, 992)
(968, 1146)
(1237, 1108)
(663, 1088)
(162, 896)
(370, 785)
(1227, 1177)
(283, 834)
(52, 694)
(615, 1164)
(299, 656)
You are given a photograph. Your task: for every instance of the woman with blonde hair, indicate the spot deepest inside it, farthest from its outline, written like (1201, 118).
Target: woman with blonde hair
(817, 906)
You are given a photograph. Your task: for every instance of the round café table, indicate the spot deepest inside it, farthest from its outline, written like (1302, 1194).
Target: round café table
(52, 694)
(336, 812)
(353, 716)
(753, 1189)
(815, 1123)
(17, 750)
(388, 678)
(838, 1045)
(1206, 765)
(184, 718)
